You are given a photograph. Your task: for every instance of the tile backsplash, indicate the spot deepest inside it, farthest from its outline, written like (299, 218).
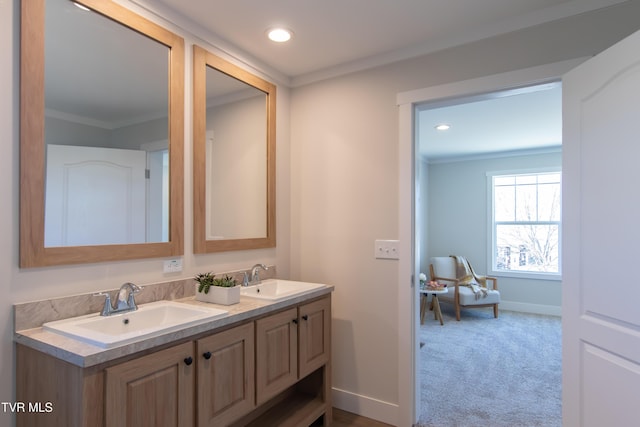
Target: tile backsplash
(33, 314)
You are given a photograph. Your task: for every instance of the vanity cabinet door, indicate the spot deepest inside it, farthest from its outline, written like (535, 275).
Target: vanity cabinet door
(226, 383)
(154, 390)
(314, 335)
(276, 353)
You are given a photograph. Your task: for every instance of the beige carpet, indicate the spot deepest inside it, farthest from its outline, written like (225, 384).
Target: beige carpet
(490, 372)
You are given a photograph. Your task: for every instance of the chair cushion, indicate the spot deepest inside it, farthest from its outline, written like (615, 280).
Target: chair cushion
(444, 266)
(467, 297)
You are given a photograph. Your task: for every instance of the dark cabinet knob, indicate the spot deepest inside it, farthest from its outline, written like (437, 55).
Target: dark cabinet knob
(207, 355)
(188, 360)
(295, 321)
(305, 317)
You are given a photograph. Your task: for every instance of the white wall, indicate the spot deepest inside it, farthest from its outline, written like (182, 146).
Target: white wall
(422, 214)
(133, 137)
(336, 193)
(237, 163)
(63, 132)
(457, 223)
(344, 181)
(8, 191)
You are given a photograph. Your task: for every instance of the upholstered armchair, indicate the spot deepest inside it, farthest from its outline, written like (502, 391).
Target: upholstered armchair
(461, 292)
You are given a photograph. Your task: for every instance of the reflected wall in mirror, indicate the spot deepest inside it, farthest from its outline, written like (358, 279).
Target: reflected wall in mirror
(102, 121)
(234, 157)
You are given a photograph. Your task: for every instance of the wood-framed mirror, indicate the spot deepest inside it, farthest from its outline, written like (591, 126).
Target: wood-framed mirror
(97, 83)
(233, 156)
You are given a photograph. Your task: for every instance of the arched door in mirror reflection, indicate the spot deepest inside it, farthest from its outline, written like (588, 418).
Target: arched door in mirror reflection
(100, 114)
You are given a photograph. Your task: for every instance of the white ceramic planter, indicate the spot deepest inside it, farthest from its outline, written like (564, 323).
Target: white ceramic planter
(220, 295)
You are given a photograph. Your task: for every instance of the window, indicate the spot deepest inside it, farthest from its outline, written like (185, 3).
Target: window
(525, 224)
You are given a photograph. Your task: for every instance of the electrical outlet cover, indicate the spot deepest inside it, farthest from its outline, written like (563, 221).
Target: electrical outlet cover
(172, 266)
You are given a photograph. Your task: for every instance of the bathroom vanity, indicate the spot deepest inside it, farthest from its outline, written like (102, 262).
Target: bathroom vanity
(265, 363)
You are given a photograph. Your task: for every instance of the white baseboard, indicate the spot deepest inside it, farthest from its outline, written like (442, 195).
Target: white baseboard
(550, 310)
(365, 406)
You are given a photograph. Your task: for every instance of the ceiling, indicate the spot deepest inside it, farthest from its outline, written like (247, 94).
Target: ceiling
(339, 35)
(526, 119)
(332, 37)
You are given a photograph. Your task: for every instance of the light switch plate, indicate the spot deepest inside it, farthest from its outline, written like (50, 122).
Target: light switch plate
(387, 249)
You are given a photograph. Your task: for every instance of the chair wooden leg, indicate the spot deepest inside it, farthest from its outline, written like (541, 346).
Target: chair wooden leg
(495, 311)
(457, 312)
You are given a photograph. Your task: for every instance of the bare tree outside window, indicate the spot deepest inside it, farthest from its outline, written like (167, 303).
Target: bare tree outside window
(526, 222)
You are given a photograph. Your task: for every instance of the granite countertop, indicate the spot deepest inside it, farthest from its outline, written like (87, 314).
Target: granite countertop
(86, 355)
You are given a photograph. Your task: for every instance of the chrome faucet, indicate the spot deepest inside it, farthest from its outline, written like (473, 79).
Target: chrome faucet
(255, 277)
(125, 302)
(245, 279)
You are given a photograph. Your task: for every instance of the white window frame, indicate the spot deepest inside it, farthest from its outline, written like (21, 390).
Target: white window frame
(491, 229)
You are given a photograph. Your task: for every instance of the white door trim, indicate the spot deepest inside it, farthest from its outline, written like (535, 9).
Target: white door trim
(408, 386)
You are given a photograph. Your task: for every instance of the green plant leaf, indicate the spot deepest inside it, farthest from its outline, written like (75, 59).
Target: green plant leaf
(206, 280)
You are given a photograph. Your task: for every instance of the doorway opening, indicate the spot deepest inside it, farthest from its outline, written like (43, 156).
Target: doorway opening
(515, 131)
(409, 267)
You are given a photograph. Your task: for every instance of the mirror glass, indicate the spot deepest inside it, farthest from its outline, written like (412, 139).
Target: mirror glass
(236, 158)
(105, 126)
(102, 131)
(233, 157)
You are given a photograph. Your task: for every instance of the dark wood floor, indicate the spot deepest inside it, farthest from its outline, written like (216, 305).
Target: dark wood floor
(347, 419)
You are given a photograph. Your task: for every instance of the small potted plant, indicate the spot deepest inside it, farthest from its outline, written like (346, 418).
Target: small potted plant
(423, 280)
(217, 290)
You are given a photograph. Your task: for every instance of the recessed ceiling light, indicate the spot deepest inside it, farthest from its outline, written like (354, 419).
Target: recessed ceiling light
(82, 7)
(443, 126)
(279, 35)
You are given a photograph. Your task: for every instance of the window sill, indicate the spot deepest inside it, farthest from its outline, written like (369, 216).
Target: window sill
(527, 275)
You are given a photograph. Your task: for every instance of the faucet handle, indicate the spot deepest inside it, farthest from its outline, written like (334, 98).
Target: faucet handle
(107, 307)
(131, 301)
(255, 276)
(245, 279)
(125, 298)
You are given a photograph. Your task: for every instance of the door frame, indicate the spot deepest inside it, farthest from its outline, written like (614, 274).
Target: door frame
(408, 359)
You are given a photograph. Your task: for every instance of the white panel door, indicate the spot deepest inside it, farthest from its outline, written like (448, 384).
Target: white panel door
(601, 238)
(94, 196)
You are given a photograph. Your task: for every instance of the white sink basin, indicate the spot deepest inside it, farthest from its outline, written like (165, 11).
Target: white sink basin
(276, 289)
(149, 320)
